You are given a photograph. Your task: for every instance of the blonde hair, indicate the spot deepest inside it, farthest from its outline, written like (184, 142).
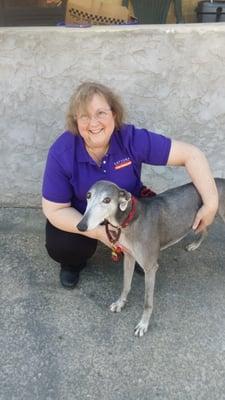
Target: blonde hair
(83, 95)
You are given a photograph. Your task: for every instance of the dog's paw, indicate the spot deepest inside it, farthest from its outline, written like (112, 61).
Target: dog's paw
(192, 246)
(117, 306)
(141, 329)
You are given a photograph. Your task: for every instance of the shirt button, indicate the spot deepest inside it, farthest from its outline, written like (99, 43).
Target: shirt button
(104, 162)
(104, 171)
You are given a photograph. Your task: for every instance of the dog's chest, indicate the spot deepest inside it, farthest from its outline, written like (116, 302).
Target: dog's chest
(127, 244)
(123, 240)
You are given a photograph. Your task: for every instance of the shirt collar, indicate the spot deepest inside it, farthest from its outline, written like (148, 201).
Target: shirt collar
(82, 154)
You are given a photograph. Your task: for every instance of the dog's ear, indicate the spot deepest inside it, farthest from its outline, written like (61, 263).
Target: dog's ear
(124, 198)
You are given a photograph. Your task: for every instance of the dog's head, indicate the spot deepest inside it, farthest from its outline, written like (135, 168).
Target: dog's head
(105, 201)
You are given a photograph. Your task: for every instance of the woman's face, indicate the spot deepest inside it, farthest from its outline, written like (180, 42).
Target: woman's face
(96, 124)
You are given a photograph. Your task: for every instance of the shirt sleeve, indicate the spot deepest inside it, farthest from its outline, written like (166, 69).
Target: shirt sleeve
(149, 147)
(56, 183)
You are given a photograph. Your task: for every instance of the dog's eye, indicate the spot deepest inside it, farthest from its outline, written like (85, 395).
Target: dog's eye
(88, 195)
(106, 200)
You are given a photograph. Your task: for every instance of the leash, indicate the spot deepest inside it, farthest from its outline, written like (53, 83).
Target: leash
(114, 236)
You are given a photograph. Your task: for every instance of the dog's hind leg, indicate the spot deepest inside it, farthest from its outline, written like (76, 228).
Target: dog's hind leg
(195, 245)
(142, 327)
(128, 270)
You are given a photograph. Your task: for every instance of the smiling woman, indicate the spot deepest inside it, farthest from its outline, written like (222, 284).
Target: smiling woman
(80, 100)
(98, 145)
(96, 126)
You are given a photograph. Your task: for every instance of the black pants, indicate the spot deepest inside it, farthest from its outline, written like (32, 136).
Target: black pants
(68, 249)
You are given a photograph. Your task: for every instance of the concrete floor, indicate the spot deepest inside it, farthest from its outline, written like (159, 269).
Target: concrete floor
(66, 345)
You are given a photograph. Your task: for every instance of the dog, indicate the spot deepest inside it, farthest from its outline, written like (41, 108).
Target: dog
(144, 227)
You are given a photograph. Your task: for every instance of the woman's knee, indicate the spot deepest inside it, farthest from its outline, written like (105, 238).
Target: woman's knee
(65, 247)
(76, 255)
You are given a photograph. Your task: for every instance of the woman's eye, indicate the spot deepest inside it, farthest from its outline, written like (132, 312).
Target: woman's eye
(88, 195)
(106, 200)
(84, 118)
(101, 115)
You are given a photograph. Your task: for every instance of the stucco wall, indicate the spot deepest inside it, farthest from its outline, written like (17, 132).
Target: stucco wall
(171, 78)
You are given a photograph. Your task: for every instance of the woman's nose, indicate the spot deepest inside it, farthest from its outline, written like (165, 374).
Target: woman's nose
(93, 120)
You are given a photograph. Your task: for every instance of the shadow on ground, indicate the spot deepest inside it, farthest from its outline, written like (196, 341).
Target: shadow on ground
(66, 345)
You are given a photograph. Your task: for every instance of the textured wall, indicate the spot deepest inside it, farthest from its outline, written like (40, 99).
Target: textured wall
(171, 78)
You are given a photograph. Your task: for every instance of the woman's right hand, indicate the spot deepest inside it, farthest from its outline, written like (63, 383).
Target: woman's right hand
(102, 236)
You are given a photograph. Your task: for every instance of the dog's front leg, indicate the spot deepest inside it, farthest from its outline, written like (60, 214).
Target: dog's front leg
(142, 327)
(128, 270)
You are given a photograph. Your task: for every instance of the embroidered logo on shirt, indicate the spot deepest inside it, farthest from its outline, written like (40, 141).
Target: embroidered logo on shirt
(122, 163)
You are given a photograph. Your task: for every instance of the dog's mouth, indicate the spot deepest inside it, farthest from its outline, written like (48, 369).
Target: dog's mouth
(84, 226)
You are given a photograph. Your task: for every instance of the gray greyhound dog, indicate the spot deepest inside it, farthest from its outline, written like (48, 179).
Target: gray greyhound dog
(144, 227)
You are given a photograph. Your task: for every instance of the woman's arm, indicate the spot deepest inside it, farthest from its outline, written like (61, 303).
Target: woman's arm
(66, 218)
(196, 164)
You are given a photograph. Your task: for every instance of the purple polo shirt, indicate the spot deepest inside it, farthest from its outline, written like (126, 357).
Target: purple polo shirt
(70, 171)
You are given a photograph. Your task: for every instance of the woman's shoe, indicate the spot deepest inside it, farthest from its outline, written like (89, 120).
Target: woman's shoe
(69, 275)
(69, 278)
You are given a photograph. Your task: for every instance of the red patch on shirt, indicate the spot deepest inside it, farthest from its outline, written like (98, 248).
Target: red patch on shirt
(122, 163)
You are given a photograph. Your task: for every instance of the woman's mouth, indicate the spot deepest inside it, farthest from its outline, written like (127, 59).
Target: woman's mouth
(96, 132)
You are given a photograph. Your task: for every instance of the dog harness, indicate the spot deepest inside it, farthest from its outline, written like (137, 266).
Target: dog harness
(114, 235)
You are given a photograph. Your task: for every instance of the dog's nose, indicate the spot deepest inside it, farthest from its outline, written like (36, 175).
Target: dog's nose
(82, 226)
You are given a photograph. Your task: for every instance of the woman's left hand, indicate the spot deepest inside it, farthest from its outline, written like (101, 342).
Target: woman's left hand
(196, 164)
(204, 218)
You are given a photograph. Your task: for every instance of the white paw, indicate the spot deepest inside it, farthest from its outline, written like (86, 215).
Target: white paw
(117, 306)
(141, 329)
(192, 246)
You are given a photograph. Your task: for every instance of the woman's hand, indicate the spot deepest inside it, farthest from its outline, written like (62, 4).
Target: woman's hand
(196, 164)
(204, 218)
(102, 236)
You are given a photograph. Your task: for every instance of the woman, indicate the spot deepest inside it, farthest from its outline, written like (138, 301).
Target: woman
(98, 145)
